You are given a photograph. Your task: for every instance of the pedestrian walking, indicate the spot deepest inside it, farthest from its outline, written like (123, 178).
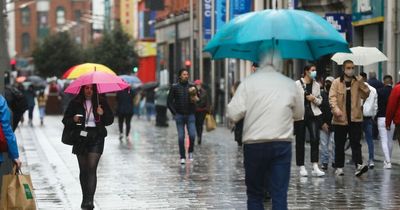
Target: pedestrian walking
(269, 103)
(150, 106)
(385, 135)
(202, 108)
(125, 112)
(88, 114)
(345, 98)
(30, 97)
(161, 97)
(42, 100)
(12, 146)
(326, 132)
(375, 83)
(310, 90)
(370, 108)
(183, 107)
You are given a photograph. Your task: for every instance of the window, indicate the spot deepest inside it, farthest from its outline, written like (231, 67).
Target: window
(60, 16)
(25, 16)
(25, 42)
(78, 16)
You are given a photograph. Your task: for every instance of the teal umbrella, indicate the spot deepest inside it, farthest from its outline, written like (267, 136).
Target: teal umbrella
(293, 33)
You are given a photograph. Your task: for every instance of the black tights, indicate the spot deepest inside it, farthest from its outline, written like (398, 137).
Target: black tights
(88, 174)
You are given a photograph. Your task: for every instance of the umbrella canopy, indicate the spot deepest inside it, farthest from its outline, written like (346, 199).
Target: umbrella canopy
(20, 79)
(149, 85)
(79, 70)
(105, 83)
(361, 56)
(36, 81)
(134, 81)
(293, 33)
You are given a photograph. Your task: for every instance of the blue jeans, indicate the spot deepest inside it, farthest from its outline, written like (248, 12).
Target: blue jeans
(190, 122)
(268, 162)
(150, 110)
(367, 127)
(326, 139)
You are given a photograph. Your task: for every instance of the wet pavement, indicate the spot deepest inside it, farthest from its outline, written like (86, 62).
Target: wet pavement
(145, 174)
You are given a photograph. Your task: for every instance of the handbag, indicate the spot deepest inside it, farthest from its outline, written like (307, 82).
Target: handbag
(210, 123)
(3, 141)
(70, 135)
(17, 192)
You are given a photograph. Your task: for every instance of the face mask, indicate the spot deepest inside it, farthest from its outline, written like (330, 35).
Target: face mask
(313, 74)
(349, 73)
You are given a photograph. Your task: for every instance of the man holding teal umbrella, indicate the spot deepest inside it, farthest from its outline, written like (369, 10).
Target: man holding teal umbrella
(269, 116)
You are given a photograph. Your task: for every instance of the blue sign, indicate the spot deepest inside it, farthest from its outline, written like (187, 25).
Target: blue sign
(220, 14)
(207, 11)
(238, 7)
(342, 23)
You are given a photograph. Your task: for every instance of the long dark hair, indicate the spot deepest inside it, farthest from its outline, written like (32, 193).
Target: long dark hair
(81, 96)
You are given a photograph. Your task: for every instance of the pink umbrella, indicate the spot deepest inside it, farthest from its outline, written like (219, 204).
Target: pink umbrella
(105, 83)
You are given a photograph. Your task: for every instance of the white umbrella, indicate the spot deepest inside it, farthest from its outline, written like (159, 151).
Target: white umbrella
(361, 56)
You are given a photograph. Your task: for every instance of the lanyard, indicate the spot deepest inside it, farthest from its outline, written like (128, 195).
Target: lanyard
(88, 112)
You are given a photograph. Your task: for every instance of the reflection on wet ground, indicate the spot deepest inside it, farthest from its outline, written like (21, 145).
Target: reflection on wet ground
(144, 173)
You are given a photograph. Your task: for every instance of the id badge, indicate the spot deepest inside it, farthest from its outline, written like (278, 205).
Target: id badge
(84, 133)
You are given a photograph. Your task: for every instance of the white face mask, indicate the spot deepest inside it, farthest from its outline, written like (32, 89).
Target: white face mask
(349, 73)
(313, 74)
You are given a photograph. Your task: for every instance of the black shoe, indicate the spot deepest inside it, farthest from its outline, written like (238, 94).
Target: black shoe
(199, 141)
(324, 166)
(333, 165)
(87, 205)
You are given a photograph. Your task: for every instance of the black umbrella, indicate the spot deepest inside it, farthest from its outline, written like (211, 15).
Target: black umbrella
(149, 85)
(37, 81)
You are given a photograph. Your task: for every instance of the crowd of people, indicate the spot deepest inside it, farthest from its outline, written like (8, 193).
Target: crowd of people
(333, 111)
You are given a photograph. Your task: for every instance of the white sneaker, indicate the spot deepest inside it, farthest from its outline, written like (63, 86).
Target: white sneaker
(317, 172)
(387, 165)
(191, 157)
(183, 161)
(303, 171)
(339, 172)
(361, 168)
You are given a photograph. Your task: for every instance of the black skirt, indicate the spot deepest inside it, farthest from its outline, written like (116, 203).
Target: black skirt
(88, 146)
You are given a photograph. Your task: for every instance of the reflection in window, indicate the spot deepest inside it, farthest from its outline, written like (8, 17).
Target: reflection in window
(60, 15)
(25, 42)
(25, 15)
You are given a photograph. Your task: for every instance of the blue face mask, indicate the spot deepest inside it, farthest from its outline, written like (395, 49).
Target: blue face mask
(313, 74)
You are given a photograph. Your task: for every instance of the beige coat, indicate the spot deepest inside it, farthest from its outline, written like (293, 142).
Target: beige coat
(337, 100)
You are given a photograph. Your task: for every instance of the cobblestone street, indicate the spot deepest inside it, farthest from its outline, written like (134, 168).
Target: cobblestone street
(145, 174)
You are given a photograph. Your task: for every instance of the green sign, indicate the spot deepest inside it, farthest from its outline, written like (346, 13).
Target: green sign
(367, 12)
(28, 192)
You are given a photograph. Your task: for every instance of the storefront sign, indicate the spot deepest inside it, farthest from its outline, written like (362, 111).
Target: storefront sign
(367, 12)
(238, 7)
(207, 11)
(342, 23)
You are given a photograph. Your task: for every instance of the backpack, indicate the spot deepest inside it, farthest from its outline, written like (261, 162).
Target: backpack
(16, 100)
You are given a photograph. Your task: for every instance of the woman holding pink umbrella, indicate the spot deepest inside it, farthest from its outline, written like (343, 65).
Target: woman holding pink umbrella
(88, 114)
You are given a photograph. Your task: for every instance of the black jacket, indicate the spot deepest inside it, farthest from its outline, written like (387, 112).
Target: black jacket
(326, 109)
(179, 100)
(76, 107)
(125, 102)
(383, 97)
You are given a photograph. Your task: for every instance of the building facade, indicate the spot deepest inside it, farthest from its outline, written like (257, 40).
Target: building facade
(35, 20)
